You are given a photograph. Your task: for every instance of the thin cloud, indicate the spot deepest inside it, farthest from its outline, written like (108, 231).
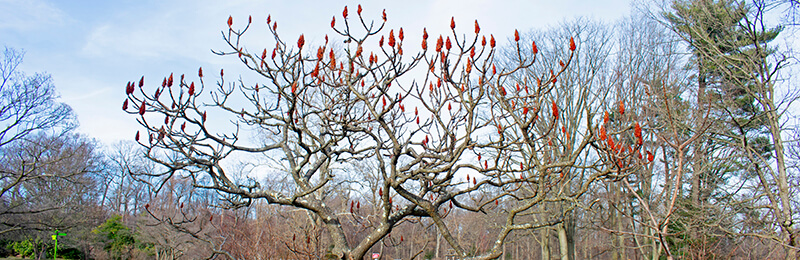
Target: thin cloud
(26, 15)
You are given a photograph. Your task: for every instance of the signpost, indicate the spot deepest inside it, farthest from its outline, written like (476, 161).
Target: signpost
(55, 237)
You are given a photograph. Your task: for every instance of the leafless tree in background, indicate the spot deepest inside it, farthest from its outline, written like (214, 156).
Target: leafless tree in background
(42, 163)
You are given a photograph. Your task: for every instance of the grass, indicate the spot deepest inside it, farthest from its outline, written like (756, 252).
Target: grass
(17, 258)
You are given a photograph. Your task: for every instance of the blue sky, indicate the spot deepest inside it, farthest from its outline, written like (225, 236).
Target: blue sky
(93, 48)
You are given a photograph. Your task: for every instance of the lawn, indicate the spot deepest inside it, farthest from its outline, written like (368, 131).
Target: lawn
(17, 258)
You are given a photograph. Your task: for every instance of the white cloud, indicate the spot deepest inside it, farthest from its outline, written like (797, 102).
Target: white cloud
(26, 15)
(148, 36)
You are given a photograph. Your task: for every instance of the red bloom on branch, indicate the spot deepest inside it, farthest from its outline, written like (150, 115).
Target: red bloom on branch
(200, 72)
(230, 21)
(400, 34)
(637, 132)
(142, 108)
(129, 88)
(125, 105)
(555, 110)
(603, 133)
(477, 27)
(344, 12)
(571, 44)
(391, 38)
(301, 41)
(452, 23)
(516, 35)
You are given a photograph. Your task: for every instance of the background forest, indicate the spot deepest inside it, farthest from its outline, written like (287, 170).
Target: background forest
(669, 134)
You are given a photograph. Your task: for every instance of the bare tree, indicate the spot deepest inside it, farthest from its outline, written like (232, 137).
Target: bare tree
(59, 191)
(122, 193)
(28, 103)
(445, 126)
(759, 70)
(35, 146)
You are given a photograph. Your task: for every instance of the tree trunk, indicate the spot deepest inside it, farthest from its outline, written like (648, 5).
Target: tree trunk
(545, 244)
(785, 213)
(656, 249)
(620, 237)
(699, 158)
(569, 228)
(563, 247)
(438, 243)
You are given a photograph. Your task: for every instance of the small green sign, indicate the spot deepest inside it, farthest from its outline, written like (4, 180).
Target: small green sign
(55, 237)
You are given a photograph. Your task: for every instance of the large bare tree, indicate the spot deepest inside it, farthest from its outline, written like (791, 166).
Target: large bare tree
(447, 128)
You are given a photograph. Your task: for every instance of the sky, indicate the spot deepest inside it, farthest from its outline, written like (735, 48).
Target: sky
(93, 48)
